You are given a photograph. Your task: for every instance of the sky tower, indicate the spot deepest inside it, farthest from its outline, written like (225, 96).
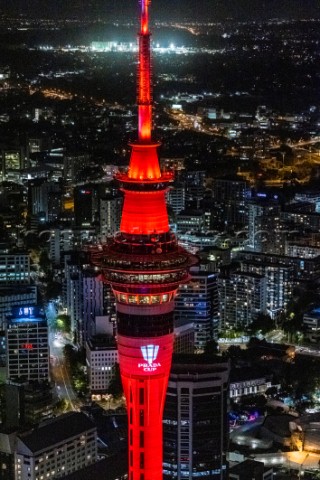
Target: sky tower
(144, 265)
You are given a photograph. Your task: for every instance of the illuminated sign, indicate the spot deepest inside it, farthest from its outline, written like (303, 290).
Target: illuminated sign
(27, 346)
(149, 353)
(26, 311)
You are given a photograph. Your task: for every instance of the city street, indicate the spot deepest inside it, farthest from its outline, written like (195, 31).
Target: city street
(59, 372)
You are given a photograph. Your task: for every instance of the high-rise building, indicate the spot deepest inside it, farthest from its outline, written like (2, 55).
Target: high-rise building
(279, 283)
(145, 266)
(265, 225)
(198, 303)
(44, 198)
(177, 198)
(84, 298)
(243, 297)
(15, 268)
(86, 205)
(17, 295)
(195, 419)
(231, 196)
(60, 241)
(27, 403)
(110, 215)
(27, 344)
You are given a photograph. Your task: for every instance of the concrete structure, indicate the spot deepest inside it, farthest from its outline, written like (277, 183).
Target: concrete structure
(145, 266)
(195, 419)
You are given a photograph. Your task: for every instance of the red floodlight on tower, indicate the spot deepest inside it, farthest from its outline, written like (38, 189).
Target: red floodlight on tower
(145, 266)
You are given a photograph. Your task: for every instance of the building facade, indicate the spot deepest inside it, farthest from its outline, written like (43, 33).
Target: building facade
(27, 344)
(56, 448)
(195, 419)
(198, 303)
(101, 355)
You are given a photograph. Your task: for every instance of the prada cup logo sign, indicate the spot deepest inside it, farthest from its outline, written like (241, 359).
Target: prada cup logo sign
(149, 353)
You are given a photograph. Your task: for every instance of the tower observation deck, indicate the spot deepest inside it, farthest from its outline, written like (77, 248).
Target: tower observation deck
(145, 266)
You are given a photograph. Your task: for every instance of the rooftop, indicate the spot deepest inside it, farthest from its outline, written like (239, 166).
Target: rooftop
(56, 431)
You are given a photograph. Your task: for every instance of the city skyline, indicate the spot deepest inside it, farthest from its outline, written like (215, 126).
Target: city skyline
(189, 9)
(118, 167)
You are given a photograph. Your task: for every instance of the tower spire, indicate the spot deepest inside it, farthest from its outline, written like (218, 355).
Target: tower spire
(144, 95)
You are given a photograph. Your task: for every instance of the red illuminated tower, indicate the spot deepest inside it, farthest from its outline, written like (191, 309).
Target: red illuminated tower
(144, 265)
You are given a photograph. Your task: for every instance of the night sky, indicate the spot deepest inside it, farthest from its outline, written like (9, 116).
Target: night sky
(164, 9)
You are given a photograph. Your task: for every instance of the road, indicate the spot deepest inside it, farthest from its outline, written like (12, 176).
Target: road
(59, 372)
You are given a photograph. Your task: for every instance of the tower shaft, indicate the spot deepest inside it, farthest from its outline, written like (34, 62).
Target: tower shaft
(145, 266)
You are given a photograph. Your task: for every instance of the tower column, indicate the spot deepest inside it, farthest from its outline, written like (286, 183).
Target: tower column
(145, 266)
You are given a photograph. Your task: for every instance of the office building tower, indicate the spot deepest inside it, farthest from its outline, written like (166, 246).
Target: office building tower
(243, 296)
(110, 215)
(17, 295)
(86, 205)
(72, 291)
(231, 196)
(27, 403)
(27, 344)
(56, 448)
(265, 225)
(15, 268)
(44, 199)
(145, 266)
(198, 302)
(177, 198)
(84, 297)
(279, 282)
(72, 163)
(195, 419)
(92, 304)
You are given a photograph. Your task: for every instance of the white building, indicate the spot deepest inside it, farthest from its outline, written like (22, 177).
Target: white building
(242, 297)
(56, 448)
(101, 355)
